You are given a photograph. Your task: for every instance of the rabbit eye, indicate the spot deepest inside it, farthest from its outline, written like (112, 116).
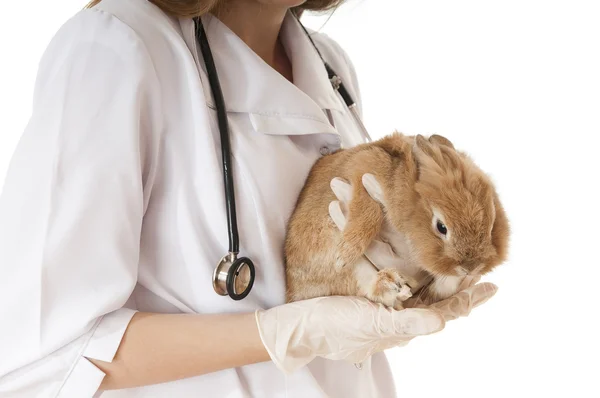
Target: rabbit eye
(438, 225)
(442, 228)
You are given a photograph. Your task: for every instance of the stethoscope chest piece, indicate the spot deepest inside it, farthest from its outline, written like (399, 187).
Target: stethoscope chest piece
(234, 277)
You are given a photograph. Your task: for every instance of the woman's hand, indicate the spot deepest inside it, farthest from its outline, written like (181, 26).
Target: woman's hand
(338, 328)
(354, 328)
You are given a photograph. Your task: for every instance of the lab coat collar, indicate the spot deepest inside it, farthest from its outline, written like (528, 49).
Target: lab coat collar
(250, 85)
(309, 72)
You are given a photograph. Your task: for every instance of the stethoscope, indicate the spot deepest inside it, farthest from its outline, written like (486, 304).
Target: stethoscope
(234, 276)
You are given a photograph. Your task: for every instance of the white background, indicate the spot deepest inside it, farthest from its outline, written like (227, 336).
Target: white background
(516, 84)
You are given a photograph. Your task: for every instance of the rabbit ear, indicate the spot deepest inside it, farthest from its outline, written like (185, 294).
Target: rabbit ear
(400, 147)
(427, 157)
(394, 144)
(424, 150)
(421, 144)
(440, 140)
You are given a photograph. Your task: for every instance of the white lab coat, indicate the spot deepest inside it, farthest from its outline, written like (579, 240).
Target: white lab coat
(114, 203)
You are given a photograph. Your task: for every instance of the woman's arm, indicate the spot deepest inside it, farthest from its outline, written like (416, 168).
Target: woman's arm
(71, 214)
(158, 348)
(72, 208)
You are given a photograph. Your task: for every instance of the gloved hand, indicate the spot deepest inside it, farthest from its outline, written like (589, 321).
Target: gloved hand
(338, 328)
(354, 328)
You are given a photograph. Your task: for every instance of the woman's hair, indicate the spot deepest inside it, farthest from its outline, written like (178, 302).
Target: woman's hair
(195, 8)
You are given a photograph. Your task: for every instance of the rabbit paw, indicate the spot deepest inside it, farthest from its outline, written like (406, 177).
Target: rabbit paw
(389, 288)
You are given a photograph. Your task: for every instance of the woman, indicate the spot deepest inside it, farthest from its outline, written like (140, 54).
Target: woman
(113, 216)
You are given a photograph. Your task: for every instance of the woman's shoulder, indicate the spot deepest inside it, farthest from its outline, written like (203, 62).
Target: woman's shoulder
(339, 59)
(328, 46)
(127, 28)
(144, 19)
(100, 62)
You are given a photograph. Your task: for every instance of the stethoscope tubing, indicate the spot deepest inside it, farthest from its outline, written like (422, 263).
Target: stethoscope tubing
(225, 142)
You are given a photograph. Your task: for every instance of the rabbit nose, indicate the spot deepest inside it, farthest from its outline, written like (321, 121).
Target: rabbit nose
(472, 267)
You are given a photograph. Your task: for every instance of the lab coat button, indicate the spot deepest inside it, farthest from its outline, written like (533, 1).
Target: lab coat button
(325, 151)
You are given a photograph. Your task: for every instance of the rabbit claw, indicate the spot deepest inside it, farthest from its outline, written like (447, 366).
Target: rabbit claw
(389, 288)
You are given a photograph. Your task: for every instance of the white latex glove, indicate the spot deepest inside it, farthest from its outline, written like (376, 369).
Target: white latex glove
(338, 328)
(354, 328)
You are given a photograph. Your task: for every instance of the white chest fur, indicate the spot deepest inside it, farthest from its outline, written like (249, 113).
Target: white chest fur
(410, 267)
(445, 286)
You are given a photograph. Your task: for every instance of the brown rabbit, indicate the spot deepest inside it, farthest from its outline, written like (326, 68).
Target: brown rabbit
(445, 210)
